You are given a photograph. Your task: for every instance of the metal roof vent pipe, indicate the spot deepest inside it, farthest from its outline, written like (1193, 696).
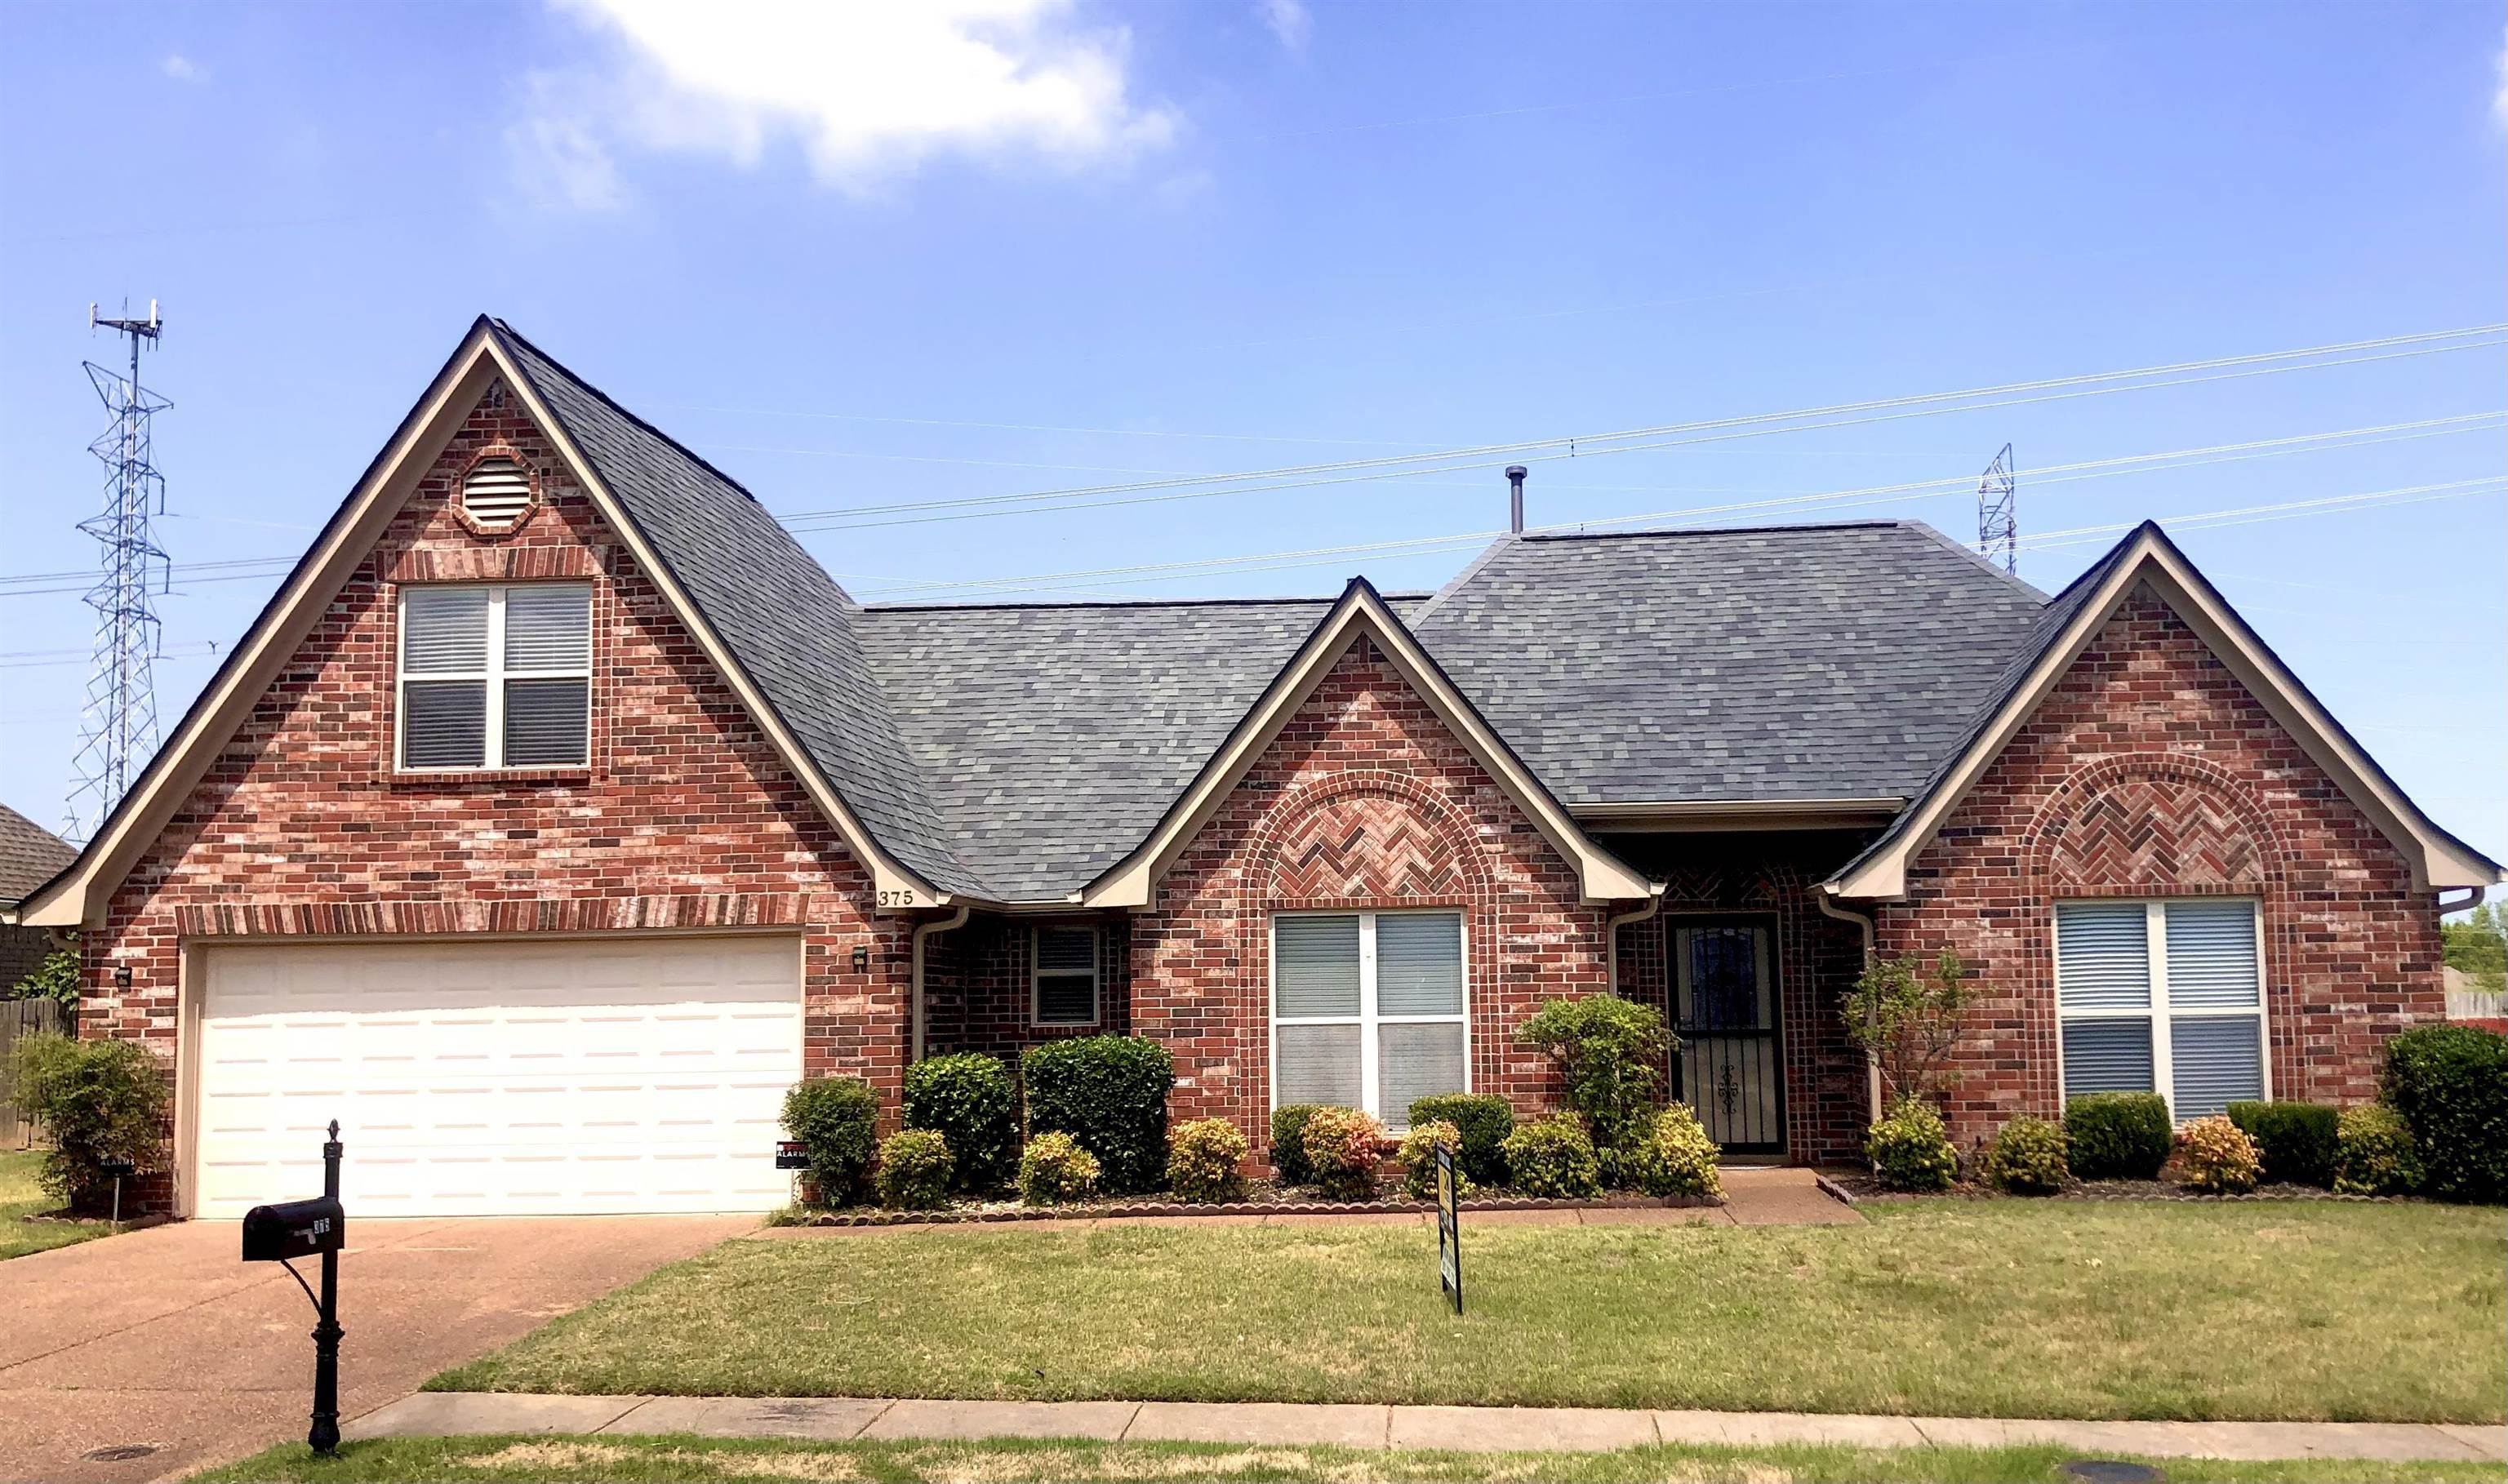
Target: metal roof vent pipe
(1515, 473)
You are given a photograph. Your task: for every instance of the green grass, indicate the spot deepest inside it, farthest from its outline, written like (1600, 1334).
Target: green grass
(1019, 1461)
(2300, 1311)
(21, 1197)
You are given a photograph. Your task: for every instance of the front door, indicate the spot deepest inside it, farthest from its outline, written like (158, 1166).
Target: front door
(1730, 1065)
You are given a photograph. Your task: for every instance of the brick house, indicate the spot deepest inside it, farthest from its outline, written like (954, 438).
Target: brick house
(560, 812)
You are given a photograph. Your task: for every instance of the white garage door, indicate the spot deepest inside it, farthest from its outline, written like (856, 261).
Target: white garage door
(499, 1078)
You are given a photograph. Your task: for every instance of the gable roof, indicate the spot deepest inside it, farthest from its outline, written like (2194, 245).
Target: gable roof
(29, 855)
(2070, 620)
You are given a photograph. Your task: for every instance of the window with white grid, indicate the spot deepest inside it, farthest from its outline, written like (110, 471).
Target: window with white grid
(1368, 1010)
(2163, 997)
(495, 676)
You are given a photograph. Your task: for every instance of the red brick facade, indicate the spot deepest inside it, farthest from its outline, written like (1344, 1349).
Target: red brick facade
(2151, 771)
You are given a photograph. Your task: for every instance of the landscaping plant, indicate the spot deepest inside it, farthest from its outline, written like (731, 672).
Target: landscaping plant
(2027, 1158)
(968, 1099)
(1418, 1156)
(2296, 1140)
(2216, 1158)
(1485, 1120)
(2374, 1153)
(98, 1099)
(1613, 1053)
(1343, 1147)
(1675, 1157)
(1204, 1159)
(2450, 1085)
(55, 978)
(914, 1170)
(2118, 1135)
(1109, 1093)
(1554, 1158)
(1910, 1022)
(1290, 1142)
(835, 1120)
(1910, 1148)
(1056, 1171)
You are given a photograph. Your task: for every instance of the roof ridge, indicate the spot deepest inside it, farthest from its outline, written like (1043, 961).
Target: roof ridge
(1647, 532)
(1462, 578)
(2012, 577)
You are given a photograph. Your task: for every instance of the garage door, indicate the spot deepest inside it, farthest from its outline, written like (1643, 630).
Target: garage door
(499, 1078)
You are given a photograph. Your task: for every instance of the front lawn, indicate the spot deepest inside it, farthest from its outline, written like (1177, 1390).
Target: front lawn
(2299, 1311)
(1009, 1461)
(21, 1197)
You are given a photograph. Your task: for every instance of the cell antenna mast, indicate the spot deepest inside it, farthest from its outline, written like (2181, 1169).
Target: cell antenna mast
(118, 729)
(1998, 521)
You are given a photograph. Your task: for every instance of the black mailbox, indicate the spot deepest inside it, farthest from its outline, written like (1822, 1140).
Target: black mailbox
(294, 1229)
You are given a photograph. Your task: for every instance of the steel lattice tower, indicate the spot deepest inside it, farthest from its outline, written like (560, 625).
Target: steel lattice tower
(1998, 515)
(118, 729)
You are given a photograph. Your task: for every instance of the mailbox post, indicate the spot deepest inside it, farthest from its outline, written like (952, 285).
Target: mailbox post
(309, 1229)
(324, 1435)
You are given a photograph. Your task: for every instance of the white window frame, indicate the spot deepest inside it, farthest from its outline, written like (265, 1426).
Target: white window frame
(1036, 976)
(1368, 1020)
(2160, 1013)
(492, 752)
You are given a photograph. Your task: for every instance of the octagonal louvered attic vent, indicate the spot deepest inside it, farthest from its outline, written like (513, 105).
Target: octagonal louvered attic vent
(496, 493)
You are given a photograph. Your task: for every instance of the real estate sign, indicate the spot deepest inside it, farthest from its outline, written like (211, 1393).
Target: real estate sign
(1450, 1232)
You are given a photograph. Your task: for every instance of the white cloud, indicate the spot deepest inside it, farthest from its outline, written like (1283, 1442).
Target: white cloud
(866, 91)
(183, 69)
(1289, 20)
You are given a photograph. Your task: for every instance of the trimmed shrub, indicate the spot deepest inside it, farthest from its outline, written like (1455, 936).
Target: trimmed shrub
(2374, 1153)
(1290, 1142)
(2026, 1158)
(2118, 1135)
(1420, 1158)
(2450, 1085)
(914, 1170)
(1109, 1093)
(1911, 1149)
(100, 1099)
(1675, 1157)
(1203, 1159)
(1554, 1158)
(1343, 1147)
(1613, 1053)
(1483, 1119)
(2296, 1140)
(2216, 1158)
(1055, 1171)
(969, 1100)
(835, 1120)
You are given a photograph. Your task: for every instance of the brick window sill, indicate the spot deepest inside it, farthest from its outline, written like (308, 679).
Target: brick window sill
(501, 777)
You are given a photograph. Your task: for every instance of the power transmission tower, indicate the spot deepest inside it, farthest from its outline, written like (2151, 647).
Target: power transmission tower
(1998, 520)
(118, 729)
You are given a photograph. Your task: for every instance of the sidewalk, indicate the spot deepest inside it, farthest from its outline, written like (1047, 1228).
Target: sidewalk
(448, 1414)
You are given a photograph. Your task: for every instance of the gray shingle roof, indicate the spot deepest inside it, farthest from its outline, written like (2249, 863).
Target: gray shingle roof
(29, 856)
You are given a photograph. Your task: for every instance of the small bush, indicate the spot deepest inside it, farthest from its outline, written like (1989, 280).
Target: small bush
(914, 1170)
(55, 978)
(835, 1120)
(1056, 1171)
(2216, 1158)
(1290, 1142)
(1203, 1159)
(1109, 1093)
(1418, 1156)
(2296, 1140)
(1485, 1120)
(969, 1100)
(1911, 1149)
(1613, 1053)
(2118, 1135)
(1554, 1158)
(2027, 1158)
(1675, 1157)
(102, 1098)
(2374, 1153)
(1343, 1147)
(2450, 1085)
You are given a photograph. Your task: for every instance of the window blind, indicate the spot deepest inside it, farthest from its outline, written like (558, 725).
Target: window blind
(2212, 954)
(1066, 976)
(547, 721)
(2107, 1056)
(2215, 1061)
(548, 628)
(2102, 955)
(444, 723)
(1318, 1063)
(444, 629)
(1419, 965)
(1414, 1062)
(1315, 967)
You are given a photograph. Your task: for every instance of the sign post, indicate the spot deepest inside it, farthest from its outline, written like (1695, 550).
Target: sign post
(1450, 1231)
(309, 1229)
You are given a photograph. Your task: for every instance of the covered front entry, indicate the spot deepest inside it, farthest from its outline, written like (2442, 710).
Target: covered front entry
(533, 1077)
(1731, 1065)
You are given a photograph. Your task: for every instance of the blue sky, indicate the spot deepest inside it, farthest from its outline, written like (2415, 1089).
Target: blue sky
(923, 257)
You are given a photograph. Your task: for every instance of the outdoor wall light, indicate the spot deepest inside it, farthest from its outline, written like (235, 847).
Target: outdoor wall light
(121, 976)
(862, 958)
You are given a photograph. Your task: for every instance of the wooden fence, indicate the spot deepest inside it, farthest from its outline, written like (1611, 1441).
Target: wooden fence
(22, 1018)
(2476, 1005)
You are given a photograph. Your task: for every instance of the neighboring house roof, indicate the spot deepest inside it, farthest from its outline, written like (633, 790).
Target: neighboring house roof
(29, 856)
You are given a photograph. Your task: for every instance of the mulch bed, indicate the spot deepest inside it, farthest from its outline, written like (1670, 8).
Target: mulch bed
(1258, 1200)
(1855, 1187)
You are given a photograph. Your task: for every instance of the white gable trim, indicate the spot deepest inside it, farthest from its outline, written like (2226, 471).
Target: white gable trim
(2438, 860)
(78, 896)
(1132, 881)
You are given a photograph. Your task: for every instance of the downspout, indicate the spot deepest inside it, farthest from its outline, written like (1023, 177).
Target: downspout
(1611, 930)
(1872, 1059)
(923, 930)
(2467, 905)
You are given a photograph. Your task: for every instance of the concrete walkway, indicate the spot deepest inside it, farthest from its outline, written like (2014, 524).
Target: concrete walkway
(448, 1414)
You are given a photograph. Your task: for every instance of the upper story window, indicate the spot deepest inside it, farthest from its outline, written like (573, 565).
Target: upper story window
(496, 677)
(2163, 997)
(1367, 1010)
(1063, 991)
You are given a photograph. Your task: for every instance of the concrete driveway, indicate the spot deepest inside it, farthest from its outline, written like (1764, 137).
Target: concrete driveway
(164, 1338)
